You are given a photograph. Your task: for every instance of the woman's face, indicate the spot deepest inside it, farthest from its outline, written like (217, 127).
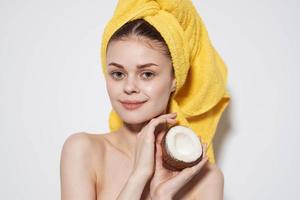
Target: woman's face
(150, 83)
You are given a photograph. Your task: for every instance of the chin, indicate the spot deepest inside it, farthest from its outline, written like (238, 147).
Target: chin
(134, 118)
(133, 122)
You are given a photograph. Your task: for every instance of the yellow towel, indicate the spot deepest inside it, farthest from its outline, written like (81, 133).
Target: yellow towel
(201, 75)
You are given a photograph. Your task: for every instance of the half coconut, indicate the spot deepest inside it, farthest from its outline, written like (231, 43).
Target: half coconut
(181, 148)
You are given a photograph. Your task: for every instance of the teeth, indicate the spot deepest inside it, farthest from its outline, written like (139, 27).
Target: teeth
(181, 148)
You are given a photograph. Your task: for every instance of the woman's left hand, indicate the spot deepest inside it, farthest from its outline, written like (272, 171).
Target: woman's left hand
(165, 183)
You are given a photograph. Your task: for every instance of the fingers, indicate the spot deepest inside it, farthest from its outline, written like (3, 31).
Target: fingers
(158, 157)
(188, 173)
(149, 131)
(169, 118)
(204, 148)
(160, 137)
(158, 149)
(196, 168)
(166, 118)
(158, 145)
(159, 140)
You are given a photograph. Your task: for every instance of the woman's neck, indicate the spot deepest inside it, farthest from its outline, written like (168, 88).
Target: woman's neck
(128, 135)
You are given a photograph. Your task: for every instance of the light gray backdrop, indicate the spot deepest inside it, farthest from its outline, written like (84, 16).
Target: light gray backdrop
(51, 86)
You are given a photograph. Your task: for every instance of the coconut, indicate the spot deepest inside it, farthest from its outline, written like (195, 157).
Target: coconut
(181, 148)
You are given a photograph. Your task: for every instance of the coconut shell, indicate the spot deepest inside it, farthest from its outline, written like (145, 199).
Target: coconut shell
(172, 163)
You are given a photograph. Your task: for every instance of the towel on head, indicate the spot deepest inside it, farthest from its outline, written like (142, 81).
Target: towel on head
(201, 74)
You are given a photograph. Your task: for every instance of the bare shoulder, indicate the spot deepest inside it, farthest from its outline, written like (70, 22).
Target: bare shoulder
(80, 155)
(213, 174)
(210, 183)
(82, 143)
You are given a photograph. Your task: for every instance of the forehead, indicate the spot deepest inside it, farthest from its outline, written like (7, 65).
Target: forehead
(135, 52)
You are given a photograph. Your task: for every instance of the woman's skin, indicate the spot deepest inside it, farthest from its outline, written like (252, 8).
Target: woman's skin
(153, 84)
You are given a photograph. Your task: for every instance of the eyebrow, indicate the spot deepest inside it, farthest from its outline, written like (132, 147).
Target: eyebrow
(138, 66)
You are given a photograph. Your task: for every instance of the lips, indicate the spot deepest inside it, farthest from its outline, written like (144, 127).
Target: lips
(130, 105)
(132, 101)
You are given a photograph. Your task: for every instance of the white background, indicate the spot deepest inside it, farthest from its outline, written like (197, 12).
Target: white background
(51, 86)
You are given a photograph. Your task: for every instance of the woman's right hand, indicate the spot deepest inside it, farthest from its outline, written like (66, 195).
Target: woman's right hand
(145, 149)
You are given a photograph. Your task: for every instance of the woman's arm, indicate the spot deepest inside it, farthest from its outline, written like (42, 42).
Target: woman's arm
(133, 188)
(78, 178)
(145, 159)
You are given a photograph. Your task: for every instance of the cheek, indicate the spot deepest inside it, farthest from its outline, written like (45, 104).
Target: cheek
(112, 88)
(157, 91)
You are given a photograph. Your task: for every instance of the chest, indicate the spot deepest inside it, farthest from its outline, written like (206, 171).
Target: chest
(114, 173)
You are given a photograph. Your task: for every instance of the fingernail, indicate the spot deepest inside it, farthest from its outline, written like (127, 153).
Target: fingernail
(173, 115)
(173, 121)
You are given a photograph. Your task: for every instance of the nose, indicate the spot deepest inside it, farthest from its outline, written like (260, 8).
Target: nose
(131, 86)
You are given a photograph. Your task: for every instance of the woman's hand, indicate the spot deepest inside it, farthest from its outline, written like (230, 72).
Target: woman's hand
(165, 183)
(144, 153)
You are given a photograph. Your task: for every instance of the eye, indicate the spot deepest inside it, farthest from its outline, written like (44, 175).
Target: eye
(148, 74)
(116, 75)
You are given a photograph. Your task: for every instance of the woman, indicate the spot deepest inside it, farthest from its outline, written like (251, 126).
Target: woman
(126, 164)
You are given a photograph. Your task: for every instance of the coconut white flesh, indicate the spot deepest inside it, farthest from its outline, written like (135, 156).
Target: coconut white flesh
(183, 144)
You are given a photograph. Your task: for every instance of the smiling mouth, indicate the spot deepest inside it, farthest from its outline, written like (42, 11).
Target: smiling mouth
(132, 106)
